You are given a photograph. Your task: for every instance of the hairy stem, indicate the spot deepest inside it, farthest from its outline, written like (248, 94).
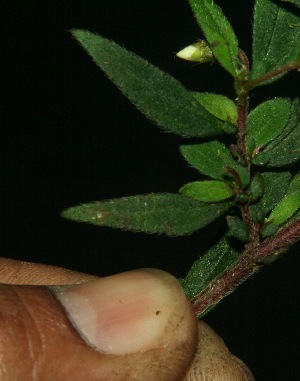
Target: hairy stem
(249, 263)
(242, 127)
(255, 253)
(272, 74)
(242, 106)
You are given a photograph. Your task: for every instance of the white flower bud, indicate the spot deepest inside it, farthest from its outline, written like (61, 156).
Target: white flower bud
(197, 52)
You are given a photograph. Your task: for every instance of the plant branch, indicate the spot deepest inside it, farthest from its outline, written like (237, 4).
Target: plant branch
(248, 264)
(252, 227)
(242, 127)
(272, 74)
(242, 101)
(242, 107)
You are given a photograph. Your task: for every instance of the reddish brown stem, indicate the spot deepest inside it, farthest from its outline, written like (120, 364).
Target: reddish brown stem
(281, 70)
(248, 264)
(242, 128)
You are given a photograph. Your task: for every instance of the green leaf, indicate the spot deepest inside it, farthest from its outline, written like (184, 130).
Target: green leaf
(208, 158)
(276, 37)
(294, 2)
(218, 105)
(237, 229)
(167, 213)
(276, 186)
(295, 183)
(207, 191)
(285, 208)
(158, 95)
(208, 267)
(269, 230)
(267, 121)
(242, 177)
(218, 32)
(285, 149)
(229, 128)
(257, 188)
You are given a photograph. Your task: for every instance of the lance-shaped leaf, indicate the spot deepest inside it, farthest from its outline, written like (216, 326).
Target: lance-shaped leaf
(168, 213)
(209, 158)
(267, 121)
(286, 208)
(208, 267)
(285, 149)
(158, 95)
(276, 37)
(218, 105)
(207, 191)
(275, 187)
(218, 32)
(289, 205)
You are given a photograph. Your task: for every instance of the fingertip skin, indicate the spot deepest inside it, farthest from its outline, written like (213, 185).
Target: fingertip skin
(38, 342)
(213, 361)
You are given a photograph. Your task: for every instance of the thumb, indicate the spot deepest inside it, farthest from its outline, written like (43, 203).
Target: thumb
(132, 326)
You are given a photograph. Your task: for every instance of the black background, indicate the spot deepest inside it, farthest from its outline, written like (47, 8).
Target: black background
(69, 136)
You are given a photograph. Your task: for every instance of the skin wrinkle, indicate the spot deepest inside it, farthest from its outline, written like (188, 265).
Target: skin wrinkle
(65, 355)
(35, 347)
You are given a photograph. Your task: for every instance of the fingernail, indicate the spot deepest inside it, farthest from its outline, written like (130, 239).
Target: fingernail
(125, 313)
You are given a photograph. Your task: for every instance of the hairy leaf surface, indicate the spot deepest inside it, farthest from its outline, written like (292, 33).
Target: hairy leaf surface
(218, 105)
(158, 95)
(267, 121)
(276, 185)
(207, 191)
(218, 32)
(276, 37)
(209, 158)
(285, 208)
(208, 267)
(285, 149)
(168, 213)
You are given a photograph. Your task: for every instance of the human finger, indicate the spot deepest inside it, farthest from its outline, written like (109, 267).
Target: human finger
(132, 326)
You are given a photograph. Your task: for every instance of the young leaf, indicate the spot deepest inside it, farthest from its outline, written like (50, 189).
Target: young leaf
(276, 186)
(218, 105)
(229, 128)
(167, 213)
(237, 229)
(218, 32)
(276, 37)
(257, 188)
(209, 158)
(285, 149)
(158, 95)
(238, 175)
(269, 230)
(267, 121)
(208, 267)
(207, 191)
(291, 203)
(285, 208)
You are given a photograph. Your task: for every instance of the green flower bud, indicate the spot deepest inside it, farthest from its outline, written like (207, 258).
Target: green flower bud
(198, 52)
